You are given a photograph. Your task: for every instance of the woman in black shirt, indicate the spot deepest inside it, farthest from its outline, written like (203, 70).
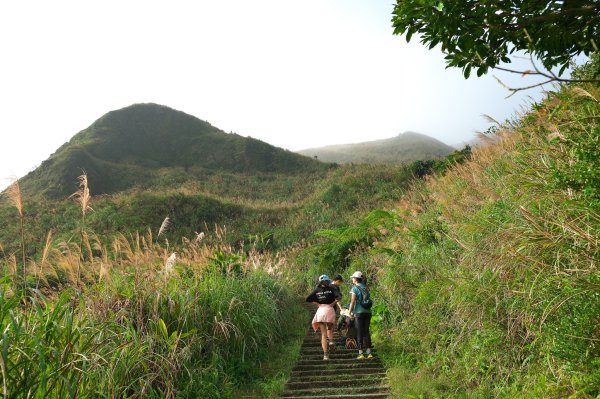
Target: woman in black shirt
(324, 297)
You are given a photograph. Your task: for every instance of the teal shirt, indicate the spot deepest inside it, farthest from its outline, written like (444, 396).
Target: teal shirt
(357, 307)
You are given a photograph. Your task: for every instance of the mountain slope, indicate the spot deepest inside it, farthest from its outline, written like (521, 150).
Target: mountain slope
(405, 147)
(489, 286)
(131, 146)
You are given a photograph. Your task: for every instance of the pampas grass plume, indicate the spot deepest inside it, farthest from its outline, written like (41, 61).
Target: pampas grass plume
(170, 263)
(163, 226)
(14, 195)
(82, 196)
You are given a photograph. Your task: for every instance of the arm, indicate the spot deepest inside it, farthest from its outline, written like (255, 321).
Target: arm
(352, 303)
(338, 298)
(335, 303)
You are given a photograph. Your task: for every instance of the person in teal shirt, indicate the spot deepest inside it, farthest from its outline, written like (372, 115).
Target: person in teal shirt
(362, 315)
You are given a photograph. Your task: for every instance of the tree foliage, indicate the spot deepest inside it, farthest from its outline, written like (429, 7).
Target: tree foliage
(479, 35)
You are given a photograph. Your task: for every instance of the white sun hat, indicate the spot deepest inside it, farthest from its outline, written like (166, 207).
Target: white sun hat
(357, 274)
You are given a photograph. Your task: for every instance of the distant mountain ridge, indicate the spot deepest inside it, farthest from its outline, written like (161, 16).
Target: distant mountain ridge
(132, 146)
(406, 147)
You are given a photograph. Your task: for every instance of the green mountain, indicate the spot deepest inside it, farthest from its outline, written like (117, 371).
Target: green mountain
(139, 145)
(406, 147)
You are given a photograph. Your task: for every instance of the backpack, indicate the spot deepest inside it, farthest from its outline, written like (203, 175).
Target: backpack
(366, 301)
(351, 343)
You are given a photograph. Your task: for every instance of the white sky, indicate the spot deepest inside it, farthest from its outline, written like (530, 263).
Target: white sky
(296, 74)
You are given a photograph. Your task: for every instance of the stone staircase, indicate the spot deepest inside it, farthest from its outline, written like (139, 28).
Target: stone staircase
(340, 377)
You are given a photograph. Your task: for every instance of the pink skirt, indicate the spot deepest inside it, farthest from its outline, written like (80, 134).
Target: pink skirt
(325, 314)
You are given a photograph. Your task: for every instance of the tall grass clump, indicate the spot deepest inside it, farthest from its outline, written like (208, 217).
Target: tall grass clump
(199, 333)
(83, 198)
(13, 192)
(130, 318)
(495, 291)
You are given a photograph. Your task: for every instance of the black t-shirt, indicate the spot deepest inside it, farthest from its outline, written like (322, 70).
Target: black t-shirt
(322, 294)
(337, 292)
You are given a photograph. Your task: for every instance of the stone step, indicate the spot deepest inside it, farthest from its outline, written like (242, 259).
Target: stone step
(335, 361)
(315, 348)
(317, 336)
(319, 377)
(336, 371)
(317, 341)
(337, 354)
(334, 381)
(343, 396)
(312, 351)
(342, 371)
(323, 392)
(306, 347)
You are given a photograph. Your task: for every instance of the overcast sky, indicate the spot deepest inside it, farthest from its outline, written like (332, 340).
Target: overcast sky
(296, 74)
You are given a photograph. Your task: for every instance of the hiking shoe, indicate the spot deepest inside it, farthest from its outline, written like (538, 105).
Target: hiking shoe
(370, 356)
(326, 356)
(331, 346)
(360, 357)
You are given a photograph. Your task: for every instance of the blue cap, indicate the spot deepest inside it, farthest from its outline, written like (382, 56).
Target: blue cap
(324, 277)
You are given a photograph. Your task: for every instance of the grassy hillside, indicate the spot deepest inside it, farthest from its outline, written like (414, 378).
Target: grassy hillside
(133, 319)
(281, 209)
(141, 144)
(486, 278)
(405, 147)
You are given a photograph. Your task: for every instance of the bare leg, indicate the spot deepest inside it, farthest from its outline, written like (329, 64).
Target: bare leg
(323, 327)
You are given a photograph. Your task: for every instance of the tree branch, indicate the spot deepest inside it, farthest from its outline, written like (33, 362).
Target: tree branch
(549, 75)
(517, 89)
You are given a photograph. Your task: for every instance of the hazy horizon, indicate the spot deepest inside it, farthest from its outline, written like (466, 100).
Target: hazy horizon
(295, 75)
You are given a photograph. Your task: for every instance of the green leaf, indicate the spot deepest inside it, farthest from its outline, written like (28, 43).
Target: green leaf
(433, 43)
(562, 69)
(488, 32)
(467, 71)
(173, 340)
(163, 329)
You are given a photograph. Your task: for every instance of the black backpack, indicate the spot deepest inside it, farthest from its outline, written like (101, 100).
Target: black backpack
(366, 301)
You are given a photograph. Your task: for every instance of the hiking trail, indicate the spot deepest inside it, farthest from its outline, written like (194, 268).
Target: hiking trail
(340, 377)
